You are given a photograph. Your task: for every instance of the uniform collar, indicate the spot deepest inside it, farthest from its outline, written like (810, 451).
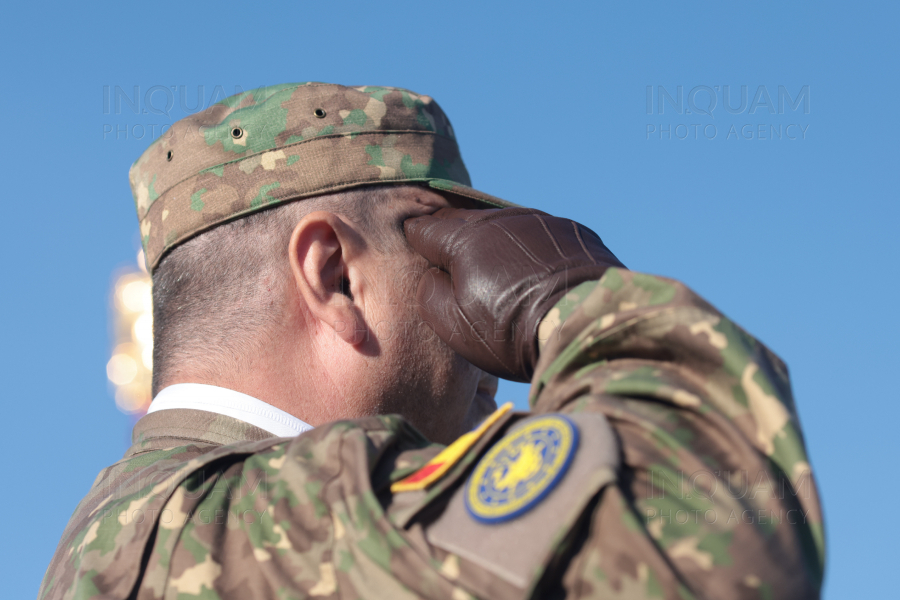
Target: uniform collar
(166, 429)
(222, 401)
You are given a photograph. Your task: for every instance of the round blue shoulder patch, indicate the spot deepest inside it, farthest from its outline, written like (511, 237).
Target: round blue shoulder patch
(520, 469)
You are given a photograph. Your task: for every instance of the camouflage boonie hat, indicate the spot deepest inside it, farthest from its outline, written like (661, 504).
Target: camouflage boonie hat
(287, 142)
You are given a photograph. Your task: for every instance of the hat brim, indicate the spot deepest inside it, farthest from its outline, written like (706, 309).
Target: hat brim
(452, 187)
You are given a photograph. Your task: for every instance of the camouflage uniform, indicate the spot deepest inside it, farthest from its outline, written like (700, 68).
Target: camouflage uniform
(691, 481)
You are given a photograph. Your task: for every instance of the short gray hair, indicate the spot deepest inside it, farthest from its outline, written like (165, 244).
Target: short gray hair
(212, 300)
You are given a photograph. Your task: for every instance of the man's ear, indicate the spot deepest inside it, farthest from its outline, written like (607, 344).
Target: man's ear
(319, 250)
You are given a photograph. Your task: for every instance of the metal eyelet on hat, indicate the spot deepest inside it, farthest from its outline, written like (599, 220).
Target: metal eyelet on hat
(320, 114)
(169, 155)
(237, 133)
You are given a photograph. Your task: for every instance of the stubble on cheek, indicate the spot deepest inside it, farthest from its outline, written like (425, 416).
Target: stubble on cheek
(423, 379)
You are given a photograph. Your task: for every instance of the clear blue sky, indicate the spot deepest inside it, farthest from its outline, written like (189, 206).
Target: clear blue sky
(793, 238)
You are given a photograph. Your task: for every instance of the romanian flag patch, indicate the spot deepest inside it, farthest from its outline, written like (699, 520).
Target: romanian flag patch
(449, 456)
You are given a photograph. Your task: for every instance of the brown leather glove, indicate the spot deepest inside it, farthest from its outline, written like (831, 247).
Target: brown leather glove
(496, 274)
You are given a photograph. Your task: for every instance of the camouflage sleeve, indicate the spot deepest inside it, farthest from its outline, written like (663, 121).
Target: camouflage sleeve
(715, 498)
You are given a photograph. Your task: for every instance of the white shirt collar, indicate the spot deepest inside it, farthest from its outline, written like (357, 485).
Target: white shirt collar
(227, 402)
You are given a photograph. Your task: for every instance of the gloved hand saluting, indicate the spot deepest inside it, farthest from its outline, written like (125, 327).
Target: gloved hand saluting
(495, 274)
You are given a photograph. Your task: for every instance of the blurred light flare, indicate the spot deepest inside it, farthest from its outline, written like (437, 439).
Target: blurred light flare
(130, 367)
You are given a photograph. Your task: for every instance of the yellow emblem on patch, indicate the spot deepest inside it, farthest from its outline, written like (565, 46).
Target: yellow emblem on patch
(521, 469)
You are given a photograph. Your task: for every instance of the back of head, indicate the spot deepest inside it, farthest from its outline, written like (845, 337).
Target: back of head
(218, 296)
(217, 198)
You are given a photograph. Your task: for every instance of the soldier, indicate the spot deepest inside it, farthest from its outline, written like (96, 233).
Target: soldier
(321, 267)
